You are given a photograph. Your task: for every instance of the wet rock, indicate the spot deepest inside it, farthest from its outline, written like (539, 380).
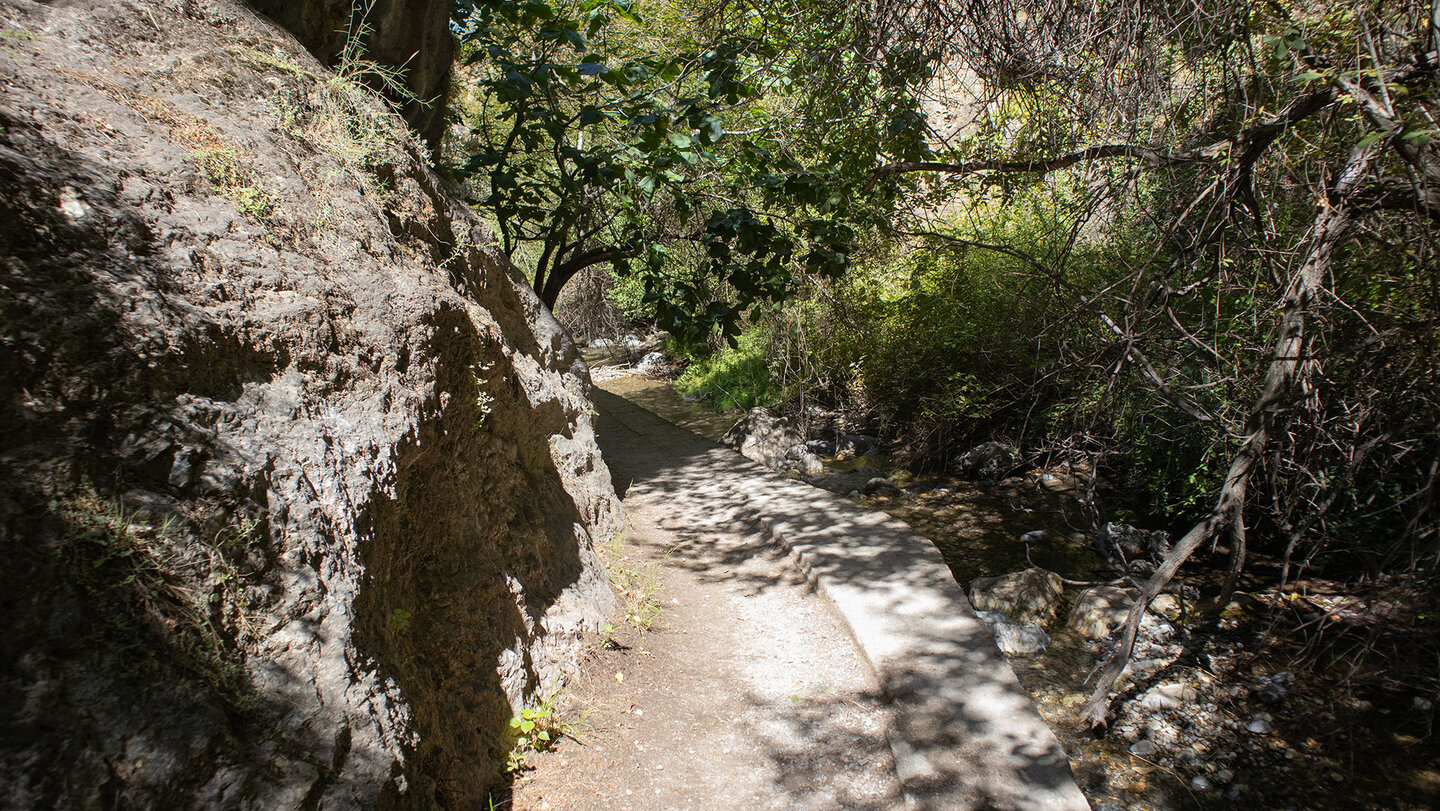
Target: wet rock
(990, 461)
(1163, 732)
(1170, 696)
(763, 436)
(803, 462)
(1422, 704)
(1143, 747)
(1260, 726)
(880, 488)
(1012, 638)
(1099, 610)
(1035, 536)
(820, 447)
(1121, 544)
(856, 445)
(1200, 783)
(1026, 597)
(653, 363)
(1270, 693)
(1139, 669)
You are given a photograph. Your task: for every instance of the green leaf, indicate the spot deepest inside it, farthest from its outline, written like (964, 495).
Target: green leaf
(1420, 137)
(575, 39)
(1369, 139)
(679, 139)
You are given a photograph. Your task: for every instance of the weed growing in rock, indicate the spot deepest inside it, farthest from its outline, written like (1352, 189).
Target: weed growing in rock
(229, 176)
(639, 587)
(127, 570)
(608, 630)
(345, 118)
(483, 399)
(399, 620)
(536, 729)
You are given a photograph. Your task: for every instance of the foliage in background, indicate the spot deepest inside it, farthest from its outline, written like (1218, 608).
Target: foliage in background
(601, 136)
(738, 377)
(1194, 245)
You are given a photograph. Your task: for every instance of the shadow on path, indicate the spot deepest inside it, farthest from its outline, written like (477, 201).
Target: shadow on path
(964, 733)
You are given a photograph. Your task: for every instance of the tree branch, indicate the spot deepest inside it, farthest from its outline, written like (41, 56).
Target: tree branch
(565, 271)
(1331, 224)
(1042, 166)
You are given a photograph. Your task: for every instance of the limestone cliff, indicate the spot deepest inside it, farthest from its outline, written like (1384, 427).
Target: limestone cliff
(300, 488)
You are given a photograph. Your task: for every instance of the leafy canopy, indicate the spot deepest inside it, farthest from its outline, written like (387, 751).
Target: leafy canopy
(715, 161)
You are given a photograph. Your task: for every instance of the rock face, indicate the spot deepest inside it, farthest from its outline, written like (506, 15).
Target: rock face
(300, 482)
(1026, 597)
(413, 35)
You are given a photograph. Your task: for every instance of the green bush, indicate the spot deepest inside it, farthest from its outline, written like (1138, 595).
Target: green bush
(739, 377)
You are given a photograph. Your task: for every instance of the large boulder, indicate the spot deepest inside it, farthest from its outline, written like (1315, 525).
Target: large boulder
(653, 363)
(1099, 610)
(765, 437)
(1026, 597)
(301, 487)
(990, 461)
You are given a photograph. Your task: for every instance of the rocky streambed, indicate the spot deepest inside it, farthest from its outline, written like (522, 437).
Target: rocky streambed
(1247, 705)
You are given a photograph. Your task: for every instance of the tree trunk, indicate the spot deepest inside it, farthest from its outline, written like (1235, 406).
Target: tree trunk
(1286, 366)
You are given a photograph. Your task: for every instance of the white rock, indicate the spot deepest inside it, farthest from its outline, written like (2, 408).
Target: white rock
(1027, 597)
(1014, 639)
(1171, 696)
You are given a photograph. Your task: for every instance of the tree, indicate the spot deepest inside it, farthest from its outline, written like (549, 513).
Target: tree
(1280, 160)
(598, 137)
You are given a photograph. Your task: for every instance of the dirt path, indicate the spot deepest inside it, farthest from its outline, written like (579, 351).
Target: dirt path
(788, 613)
(747, 693)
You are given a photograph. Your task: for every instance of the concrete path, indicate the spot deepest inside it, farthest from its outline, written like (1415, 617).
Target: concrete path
(963, 733)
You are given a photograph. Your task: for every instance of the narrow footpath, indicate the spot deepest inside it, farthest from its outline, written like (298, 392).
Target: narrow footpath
(809, 654)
